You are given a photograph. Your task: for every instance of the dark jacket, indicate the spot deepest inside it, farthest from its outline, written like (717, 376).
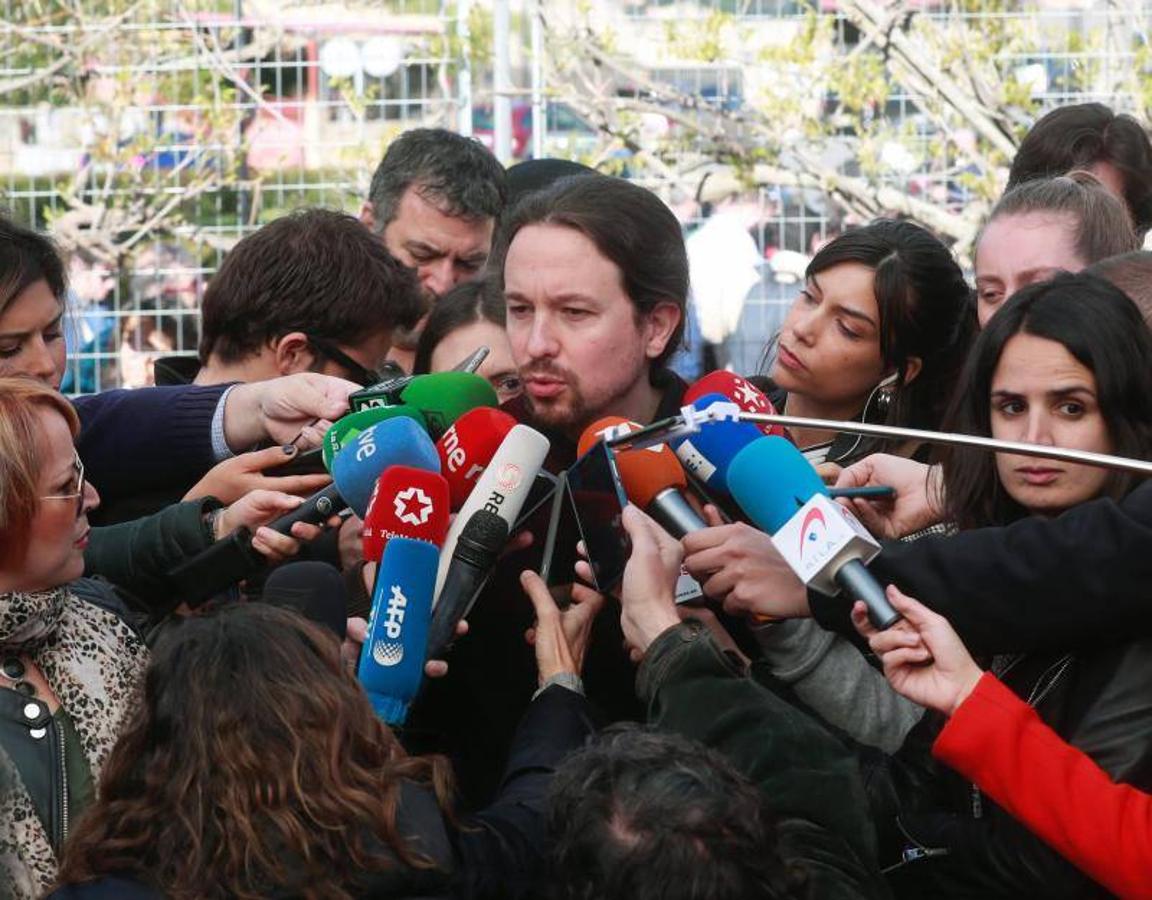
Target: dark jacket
(499, 852)
(149, 439)
(471, 714)
(811, 780)
(957, 842)
(1079, 580)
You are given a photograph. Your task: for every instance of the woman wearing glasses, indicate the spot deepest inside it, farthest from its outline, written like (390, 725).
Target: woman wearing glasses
(69, 659)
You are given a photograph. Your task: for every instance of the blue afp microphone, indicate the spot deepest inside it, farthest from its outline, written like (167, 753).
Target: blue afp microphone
(819, 539)
(392, 659)
(709, 452)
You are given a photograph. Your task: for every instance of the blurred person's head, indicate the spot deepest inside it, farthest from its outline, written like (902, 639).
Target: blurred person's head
(311, 291)
(469, 316)
(44, 499)
(1114, 148)
(595, 277)
(1132, 273)
(32, 292)
(434, 199)
(880, 328)
(1045, 226)
(1066, 363)
(254, 765)
(644, 815)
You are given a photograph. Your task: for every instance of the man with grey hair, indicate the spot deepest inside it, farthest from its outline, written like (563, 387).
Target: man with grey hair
(434, 199)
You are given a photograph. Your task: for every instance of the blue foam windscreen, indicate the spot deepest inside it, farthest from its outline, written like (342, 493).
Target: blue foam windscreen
(709, 453)
(771, 479)
(398, 441)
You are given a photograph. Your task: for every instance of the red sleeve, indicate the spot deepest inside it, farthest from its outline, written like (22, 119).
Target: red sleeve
(998, 742)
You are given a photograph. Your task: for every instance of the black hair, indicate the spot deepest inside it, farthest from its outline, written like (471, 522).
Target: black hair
(646, 815)
(464, 304)
(315, 271)
(1087, 134)
(631, 228)
(458, 174)
(1099, 326)
(26, 256)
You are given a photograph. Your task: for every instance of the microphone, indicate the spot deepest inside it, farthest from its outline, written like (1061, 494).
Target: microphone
(445, 396)
(819, 539)
(473, 558)
(652, 477)
(344, 429)
(406, 502)
(383, 393)
(314, 589)
(502, 488)
(735, 390)
(392, 659)
(708, 453)
(396, 441)
(468, 445)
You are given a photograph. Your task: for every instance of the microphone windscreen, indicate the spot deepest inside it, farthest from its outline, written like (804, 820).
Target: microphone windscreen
(344, 429)
(771, 479)
(739, 391)
(399, 441)
(314, 589)
(643, 473)
(468, 446)
(709, 452)
(407, 502)
(443, 397)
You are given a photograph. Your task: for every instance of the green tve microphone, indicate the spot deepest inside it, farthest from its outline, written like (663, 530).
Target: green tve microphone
(345, 430)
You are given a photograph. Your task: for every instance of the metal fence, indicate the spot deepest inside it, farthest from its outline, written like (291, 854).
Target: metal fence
(223, 115)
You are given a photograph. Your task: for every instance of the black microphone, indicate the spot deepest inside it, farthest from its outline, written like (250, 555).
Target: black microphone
(314, 589)
(472, 561)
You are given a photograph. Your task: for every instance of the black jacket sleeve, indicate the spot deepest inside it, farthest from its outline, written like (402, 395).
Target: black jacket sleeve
(502, 851)
(156, 438)
(812, 782)
(1080, 579)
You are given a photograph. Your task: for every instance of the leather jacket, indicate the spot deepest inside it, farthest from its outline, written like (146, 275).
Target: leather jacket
(946, 839)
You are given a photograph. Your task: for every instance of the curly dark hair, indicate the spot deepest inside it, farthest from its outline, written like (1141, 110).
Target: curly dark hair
(646, 815)
(254, 767)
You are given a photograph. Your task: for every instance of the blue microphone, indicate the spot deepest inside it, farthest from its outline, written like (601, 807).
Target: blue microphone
(392, 660)
(708, 453)
(398, 441)
(819, 539)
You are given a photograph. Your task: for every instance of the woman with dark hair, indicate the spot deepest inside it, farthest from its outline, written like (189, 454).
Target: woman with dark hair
(257, 768)
(878, 333)
(469, 316)
(1066, 363)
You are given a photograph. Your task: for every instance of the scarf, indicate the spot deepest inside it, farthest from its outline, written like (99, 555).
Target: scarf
(94, 662)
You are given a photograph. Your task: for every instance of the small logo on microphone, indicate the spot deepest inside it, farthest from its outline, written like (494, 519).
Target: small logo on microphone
(387, 653)
(420, 510)
(394, 614)
(810, 529)
(749, 396)
(509, 477)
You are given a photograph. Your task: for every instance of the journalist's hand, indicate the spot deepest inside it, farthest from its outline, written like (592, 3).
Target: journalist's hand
(560, 637)
(924, 659)
(230, 480)
(297, 408)
(917, 504)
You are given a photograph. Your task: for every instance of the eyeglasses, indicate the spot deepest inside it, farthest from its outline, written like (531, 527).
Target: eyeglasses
(357, 372)
(78, 493)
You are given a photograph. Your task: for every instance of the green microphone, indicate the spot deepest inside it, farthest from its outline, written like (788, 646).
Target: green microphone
(345, 429)
(445, 396)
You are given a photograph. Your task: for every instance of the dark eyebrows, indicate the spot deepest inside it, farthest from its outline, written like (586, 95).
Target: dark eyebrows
(846, 310)
(1069, 391)
(24, 334)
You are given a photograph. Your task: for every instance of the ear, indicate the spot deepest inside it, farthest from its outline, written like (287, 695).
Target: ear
(368, 215)
(659, 324)
(293, 353)
(912, 368)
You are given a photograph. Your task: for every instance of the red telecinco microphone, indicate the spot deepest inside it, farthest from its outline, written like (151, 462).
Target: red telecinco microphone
(407, 502)
(740, 391)
(652, 478)
(468, 446)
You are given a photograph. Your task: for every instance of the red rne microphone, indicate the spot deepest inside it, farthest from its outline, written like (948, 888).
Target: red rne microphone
(652, 477)
(468, 446)
(407, 502)
(741, 392)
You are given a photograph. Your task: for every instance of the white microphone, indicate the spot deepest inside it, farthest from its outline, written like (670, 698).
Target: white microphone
(502, 488)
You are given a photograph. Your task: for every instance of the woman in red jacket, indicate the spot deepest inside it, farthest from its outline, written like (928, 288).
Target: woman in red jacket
(999, 742)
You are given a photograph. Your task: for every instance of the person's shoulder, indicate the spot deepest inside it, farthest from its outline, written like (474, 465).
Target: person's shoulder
(108, 888)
